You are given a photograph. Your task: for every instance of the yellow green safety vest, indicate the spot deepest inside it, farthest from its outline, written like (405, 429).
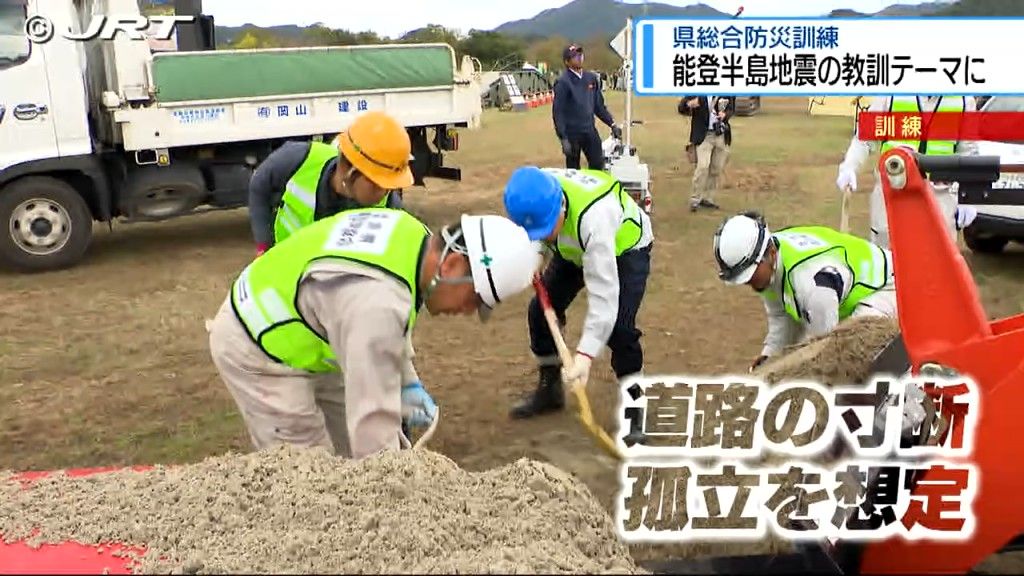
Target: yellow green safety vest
(931, 147)
(582, 188)
(867, 262)
(264, 295)
(298, 203)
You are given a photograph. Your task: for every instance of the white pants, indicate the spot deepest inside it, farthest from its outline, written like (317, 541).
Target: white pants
(881, 303)
(945, 195)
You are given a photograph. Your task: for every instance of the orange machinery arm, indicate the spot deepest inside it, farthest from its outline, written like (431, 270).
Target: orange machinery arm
(943, 322)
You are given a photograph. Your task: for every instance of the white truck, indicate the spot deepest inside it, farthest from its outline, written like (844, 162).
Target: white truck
(98, 130)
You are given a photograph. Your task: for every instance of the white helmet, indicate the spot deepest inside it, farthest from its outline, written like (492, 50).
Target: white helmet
(501, 256)
(740, 244)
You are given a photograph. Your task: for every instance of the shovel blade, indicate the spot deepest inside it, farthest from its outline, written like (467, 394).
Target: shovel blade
(893, 359)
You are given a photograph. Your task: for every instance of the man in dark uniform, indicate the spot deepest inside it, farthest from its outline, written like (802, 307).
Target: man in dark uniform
(302, 182)
(578, 99)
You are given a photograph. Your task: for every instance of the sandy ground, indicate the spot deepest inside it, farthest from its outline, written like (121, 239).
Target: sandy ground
(291, 511)
(107, 364)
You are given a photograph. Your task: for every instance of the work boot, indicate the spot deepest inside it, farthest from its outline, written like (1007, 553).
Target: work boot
(548, 397)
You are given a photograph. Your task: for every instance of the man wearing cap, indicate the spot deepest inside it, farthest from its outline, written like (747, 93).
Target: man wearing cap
(578, 99)
(810, 277)
(302, 182)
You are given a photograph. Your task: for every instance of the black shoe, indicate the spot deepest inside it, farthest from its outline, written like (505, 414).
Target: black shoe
(548, 397)
(708, 204)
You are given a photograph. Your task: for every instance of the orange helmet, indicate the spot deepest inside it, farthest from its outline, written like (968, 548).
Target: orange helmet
(379, 147)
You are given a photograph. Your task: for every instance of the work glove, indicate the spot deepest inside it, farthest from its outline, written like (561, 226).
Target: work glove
(418, 408)
(580, 370)
(617, 131)
(846, 178)
(261, 248)
(760, 360)
(566, 147)
(964, 216)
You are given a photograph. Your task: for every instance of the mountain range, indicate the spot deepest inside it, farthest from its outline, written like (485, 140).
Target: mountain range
(583, 19)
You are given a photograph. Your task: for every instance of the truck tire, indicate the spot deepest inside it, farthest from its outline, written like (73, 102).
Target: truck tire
(984, 244)
(47, 225)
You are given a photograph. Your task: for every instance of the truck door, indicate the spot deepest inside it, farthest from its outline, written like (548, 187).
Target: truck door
(27, 129)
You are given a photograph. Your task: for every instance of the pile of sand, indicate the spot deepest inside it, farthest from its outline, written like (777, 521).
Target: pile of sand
(843, 357)
(305, 511)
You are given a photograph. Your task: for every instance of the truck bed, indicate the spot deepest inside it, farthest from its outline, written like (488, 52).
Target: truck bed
(222, 96)
(230, 74)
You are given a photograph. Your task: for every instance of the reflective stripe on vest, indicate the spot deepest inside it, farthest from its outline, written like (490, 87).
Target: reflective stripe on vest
(932, 147)
(582, 188)
(298, 203)
(264, 295)
(868, 263)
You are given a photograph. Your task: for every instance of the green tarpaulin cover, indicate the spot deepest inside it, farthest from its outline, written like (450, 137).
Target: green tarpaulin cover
(215, 75)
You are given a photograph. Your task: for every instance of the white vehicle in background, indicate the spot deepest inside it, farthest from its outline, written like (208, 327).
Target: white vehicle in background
(1000, 223)
(104, 130)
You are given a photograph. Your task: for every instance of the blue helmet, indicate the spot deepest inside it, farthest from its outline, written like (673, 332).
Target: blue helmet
(533, 200)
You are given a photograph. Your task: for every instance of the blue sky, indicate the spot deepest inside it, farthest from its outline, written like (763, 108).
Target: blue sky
(394, 17)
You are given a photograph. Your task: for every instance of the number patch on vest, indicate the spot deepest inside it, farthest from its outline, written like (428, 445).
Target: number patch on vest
(363, 232)
(803, 241)
(576, 177)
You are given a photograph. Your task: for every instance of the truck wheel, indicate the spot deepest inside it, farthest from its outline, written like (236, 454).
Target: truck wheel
(47, 222)
(984, 244)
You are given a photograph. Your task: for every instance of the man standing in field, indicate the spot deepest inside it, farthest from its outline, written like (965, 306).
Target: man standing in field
(313, 339)
(578, 99)
(710, 144)
(601, 241)
(302, 182)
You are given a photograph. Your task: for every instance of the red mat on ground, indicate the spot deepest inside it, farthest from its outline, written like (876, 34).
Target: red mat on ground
(66, 557)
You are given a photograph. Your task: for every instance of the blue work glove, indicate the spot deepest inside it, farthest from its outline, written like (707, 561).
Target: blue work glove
(418, 408)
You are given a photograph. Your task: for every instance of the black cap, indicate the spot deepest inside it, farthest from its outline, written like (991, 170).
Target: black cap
(570, 51)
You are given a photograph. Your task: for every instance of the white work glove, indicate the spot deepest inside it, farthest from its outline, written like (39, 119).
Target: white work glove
(846, 178)
(913, 408)
(418, 408)
(580, 370)
(964, 216)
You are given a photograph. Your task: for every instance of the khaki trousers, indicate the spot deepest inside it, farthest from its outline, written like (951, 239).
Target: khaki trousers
(712, 156)
(280, 405)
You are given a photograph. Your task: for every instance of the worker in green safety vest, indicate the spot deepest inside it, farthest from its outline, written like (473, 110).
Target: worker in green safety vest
(810, 277)
(601, 240)
(302, 182)
(857, 153)
(313, 340)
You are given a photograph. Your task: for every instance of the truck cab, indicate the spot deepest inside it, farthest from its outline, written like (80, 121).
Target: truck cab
(98, 130)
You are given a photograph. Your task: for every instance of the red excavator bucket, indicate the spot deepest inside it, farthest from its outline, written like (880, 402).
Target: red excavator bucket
(943, 322)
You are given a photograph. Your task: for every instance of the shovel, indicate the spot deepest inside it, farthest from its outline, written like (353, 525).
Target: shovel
(583, 404)
(409, 445)
(844, 217)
